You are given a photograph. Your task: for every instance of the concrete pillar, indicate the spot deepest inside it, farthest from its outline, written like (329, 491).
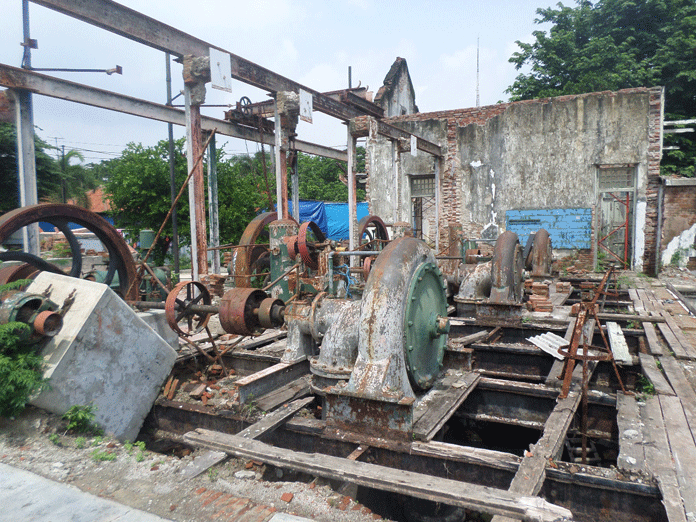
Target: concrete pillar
(196, 74)
(287, 112)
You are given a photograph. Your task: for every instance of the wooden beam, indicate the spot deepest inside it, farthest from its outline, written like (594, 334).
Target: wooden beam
(452, 492)
(16, 78)
(277, 418)
(631, 453)
(395, 133)
(133, 25)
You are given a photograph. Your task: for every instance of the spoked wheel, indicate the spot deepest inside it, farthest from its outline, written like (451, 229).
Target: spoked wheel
(60, 216)
(308, 236)
(371, 228)
(249, 258)
(180, 305)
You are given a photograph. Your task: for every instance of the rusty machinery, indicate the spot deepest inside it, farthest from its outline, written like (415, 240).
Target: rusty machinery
(494, 288)
(375, 338)
(121, 266)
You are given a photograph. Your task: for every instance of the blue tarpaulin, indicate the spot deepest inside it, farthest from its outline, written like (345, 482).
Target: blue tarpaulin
(332, 218)
(337, 217)
(311, 211)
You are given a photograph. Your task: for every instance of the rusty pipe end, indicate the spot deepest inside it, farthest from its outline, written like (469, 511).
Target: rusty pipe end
(48, 323)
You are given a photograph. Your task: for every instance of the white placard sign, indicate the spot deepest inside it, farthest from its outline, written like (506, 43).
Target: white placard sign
(220, 70)
(414, 145)
(306, 106)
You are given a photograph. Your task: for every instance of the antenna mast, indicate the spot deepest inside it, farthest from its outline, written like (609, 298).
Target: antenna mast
(478, 102)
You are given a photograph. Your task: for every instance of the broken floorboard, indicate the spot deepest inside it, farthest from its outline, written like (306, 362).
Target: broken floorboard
(631, 452)
(436, 408)
(436, 489)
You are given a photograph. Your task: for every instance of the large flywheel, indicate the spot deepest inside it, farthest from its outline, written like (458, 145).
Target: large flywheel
(60, 216)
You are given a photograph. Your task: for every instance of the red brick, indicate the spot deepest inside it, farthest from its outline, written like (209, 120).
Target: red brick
(286, 497)
(212, 498)
(200, 491)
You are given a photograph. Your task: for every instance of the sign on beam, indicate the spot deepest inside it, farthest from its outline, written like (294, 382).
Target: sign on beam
(306, 106)
(220, 70)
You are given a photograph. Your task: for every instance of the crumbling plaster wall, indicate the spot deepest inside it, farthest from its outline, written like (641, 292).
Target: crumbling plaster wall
(536, 154)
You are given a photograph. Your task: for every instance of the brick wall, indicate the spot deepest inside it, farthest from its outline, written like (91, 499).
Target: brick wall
(452, 180)
(679, 211)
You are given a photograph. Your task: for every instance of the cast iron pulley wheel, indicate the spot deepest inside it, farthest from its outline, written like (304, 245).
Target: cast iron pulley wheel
(249, 258)
(59, 215)
(370, 228)
(308, 252)
(239, 311)
(178, 306)
(244, 105)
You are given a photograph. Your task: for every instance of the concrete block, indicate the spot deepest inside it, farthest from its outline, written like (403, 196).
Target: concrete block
(157, 320)
(104, 355)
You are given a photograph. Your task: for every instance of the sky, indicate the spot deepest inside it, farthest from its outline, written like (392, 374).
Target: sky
(310, 41)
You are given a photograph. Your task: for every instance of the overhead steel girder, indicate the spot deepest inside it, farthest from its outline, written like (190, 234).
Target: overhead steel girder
(136, 26)
(16, 78)
(148, 31)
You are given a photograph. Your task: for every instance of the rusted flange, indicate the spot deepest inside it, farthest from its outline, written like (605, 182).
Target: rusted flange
(178, 307)
(239, 311)
(48, 323)
(367, 266)
(309, 256)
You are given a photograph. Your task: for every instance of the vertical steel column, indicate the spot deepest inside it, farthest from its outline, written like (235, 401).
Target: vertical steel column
(199, 246)
(352, 197)
(213, 212)
(295, 177)
(26, 154)
(281, 166)
(172, 170)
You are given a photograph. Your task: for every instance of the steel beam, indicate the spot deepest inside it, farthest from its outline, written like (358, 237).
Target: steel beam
(148, 31)
(15, 78)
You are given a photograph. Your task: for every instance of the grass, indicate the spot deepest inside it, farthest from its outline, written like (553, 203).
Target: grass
(99, 455)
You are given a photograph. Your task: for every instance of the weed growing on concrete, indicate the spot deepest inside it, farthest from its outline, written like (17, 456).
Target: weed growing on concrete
(102, 455)
(80, 442)
(55, 439)
(213, 474)
(81, 419)
(97, 441)
(645, 388)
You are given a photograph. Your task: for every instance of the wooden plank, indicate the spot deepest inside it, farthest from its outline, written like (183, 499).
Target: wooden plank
(452, 492)
(654, 375)
(260, 383)
(296, 389)
(682, 388)
(680, 337)
(680, 296)
(554, 377)
(272, 420)
(631, 453)
(674, 344)
(439, 404)
(617, 341)
(202, 462)
(659, 460)
(653, 342)
(681, 442)
(456, 342)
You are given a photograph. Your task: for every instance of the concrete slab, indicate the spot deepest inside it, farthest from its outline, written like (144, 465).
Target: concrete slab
(27, 496)
(103, 355)
(157, 320)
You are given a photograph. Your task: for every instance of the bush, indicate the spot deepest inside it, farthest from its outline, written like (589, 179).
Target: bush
(20, 370)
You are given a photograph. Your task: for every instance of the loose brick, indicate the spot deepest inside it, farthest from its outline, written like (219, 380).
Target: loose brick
(286, 497)
(212, 498)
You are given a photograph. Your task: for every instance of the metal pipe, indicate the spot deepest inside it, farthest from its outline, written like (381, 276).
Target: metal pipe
(161, 305)
(346, 253)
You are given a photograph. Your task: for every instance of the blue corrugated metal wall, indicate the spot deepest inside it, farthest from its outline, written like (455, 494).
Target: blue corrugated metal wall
(568, 227)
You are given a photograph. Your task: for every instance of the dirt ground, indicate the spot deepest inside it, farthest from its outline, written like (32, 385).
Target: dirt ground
(232, 490)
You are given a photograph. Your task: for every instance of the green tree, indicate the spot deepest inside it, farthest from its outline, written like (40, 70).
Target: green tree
(137, 184)
(616, 44)
(47, 170)
(324, 179)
